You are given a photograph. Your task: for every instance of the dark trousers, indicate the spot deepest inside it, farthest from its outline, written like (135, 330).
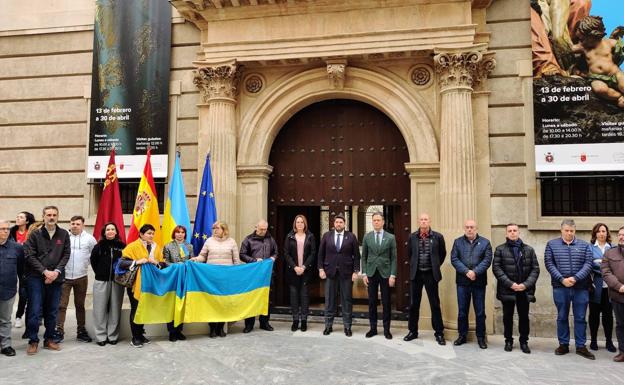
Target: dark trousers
(174, 329)
(522, 304)
(595, 309)
(217, 326)
(42, 298)
(79, 286)
(264, 319)
(332, 286)
(299, 298)
(425, 278)
(23, 298)
(618, 310)
(137, 329)
(374, 284)
(464, 294)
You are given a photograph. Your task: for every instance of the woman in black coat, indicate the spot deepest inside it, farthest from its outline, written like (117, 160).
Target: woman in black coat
(516, 268)
(300, 257)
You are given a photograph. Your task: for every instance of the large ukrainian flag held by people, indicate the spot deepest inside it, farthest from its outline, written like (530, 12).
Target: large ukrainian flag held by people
(176, 211)
(146, 205)
(198, 292)
(206, 213)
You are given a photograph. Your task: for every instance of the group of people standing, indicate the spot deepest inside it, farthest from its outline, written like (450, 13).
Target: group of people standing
(50, 262)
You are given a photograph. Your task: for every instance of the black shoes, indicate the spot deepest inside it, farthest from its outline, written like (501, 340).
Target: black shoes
(593, 345)
(59, 336)
(348, 332)
(562, 349)
(440, 340)
(610, 347)
(460, 341)
(304, 326)
(583, 352)
(266, 327)
(213, 332)
(173, 336)
(144, 340)
(387, 334)
(411, 336)
(8, 351)
(221, 332)
(295, 326)
(113, 342)
(371, 333)
(508, 346)
(525, 348)
(83, 336)
(482, 343)
(136, 343)
(327, 331)
(180, 336)
(101, 343)
(246, 330)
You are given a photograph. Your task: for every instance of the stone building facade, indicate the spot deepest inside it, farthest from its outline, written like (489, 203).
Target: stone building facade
(454, 76)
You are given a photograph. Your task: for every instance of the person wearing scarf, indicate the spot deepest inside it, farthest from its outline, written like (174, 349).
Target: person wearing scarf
(516, 268)
(141, 251)
(177, 251)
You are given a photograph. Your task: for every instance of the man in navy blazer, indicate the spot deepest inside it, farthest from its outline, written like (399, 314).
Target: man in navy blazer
(339, 265)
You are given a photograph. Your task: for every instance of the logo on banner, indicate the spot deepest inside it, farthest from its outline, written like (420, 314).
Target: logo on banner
(121, 166)
(97, 166)
(549, 157)
(583, 157)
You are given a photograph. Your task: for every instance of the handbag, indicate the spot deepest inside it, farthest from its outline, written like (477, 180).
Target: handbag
(125, 277)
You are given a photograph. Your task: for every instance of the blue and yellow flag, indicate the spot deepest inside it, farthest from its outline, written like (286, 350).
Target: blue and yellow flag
(197, 292)
(206, 213)
(176, 211)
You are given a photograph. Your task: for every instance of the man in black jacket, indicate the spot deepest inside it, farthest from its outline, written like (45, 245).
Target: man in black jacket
(11, 265)
(47, 251)
(426, 250)
(257, 247)
(516, 268)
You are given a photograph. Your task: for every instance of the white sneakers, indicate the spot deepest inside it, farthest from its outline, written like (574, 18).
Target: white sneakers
(18, 323)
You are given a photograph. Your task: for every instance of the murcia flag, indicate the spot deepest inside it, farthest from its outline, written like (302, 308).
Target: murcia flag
(109, 209)
(146, 205)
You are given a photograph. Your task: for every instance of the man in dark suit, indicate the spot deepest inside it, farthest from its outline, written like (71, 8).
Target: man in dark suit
(426, 250)
(379, 259)
(339, 264)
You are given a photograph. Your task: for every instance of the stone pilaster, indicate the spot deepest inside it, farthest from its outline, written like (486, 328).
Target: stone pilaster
(218, 85)
(458, 72)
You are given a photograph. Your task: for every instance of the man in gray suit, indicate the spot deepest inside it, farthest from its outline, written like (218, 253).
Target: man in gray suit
(379, 256)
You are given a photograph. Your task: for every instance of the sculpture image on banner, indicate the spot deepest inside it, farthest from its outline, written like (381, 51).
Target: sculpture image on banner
(130, 86)
(578, 84)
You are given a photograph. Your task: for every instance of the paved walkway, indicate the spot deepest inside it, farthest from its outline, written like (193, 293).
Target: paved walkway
(283, 357)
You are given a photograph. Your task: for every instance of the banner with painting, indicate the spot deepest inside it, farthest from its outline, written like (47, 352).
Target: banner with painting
(578, 84)
(130, 86)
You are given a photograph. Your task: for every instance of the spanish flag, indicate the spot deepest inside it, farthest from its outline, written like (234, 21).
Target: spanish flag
(198, 292)
(146, 205)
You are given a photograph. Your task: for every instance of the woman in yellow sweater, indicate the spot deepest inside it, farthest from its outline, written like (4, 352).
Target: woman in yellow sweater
(143, 250)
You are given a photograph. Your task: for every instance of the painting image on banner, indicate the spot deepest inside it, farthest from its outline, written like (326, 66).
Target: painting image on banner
(130, 86)
(578, 84)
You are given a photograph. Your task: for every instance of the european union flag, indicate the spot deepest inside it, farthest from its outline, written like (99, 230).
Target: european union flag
(206, 213)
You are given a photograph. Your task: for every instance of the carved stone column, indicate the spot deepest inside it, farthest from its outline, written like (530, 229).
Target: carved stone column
(458, 72)
(218, 83)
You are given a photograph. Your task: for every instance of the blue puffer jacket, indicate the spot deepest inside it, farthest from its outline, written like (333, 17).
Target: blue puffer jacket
(475, 256)
(573, 260)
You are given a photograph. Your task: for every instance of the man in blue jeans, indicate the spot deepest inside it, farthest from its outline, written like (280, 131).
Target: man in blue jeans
(47, 251)
(471, 257)
(569, 262)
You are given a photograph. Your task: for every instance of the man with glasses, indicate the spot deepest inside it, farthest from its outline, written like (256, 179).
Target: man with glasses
(11, 265)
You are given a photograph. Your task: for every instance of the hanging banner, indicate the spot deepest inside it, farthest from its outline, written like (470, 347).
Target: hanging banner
(130, 86)
(578, 85)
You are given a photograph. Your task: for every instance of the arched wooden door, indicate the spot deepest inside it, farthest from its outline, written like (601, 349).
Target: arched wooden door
(340, 156)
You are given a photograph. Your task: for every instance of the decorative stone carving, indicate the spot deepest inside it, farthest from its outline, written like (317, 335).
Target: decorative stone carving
(462, 69)
(217, 81)
(254, 84)
(336, 74)
(421, 75)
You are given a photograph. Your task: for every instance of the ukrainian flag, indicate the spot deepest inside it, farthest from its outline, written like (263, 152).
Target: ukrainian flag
(176, 211)
(197, 292)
